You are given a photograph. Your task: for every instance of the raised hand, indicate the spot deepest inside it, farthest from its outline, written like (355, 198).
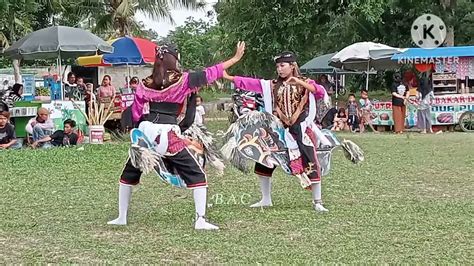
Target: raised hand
(293, 81)
(239, 53)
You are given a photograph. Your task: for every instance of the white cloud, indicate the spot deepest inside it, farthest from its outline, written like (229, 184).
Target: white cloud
(179, 16)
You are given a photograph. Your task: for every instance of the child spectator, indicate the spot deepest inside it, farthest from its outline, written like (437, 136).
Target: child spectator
(134, 83)
(352, 113)
(200, 112)
(64, 137)
(7, 133)
(366, 111)
(340, 121)
(89, 96)
(80, 84)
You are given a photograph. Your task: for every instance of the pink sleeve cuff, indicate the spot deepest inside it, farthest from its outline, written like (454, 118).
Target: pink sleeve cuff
(248, 84)
(214, 73)
(320, 90)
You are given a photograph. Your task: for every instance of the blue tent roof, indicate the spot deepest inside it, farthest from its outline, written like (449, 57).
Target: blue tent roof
(413, 53)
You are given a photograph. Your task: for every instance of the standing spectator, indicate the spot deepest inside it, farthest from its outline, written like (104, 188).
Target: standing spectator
(64, 137)
(352, 113)
(425, 97)
(200, 111)
(323, 80)
(70, 86)
(7, 133)
(365, 111)
(71, 79)
(106, 90)
(41, 125)
(399, 92)
(15, 95)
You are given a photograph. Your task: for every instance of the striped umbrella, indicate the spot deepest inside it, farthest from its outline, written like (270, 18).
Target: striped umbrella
(127, 51)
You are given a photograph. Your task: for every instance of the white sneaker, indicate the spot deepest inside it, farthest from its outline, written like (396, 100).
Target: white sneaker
(202, 224)
(320, 208)
(118, 221)
(261, 204)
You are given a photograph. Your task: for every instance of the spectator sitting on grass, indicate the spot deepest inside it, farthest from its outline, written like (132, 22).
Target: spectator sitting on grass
(64, 137)
(7, 133)
(340, 121)
(41, 125)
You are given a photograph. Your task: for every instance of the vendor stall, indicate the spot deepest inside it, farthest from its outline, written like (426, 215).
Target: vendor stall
(452, 83)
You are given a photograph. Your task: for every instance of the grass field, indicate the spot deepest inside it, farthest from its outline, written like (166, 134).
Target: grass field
(411, 201)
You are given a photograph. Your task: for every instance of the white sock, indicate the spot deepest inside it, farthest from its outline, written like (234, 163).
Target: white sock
(125, 192)
(200, 202)
(316, 191)
(266, 189)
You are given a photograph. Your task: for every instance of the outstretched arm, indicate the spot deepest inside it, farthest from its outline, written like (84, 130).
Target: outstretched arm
(237, 56)
(310, 85)
(245, 83)
(211, 74)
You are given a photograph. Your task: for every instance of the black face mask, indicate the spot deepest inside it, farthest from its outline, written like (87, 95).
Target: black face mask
(169, 50)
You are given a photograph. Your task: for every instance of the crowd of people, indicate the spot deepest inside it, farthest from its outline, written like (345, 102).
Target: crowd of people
(356, 116)
(41, 132)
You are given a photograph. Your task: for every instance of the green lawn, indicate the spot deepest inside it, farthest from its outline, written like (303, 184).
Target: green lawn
(411, 201)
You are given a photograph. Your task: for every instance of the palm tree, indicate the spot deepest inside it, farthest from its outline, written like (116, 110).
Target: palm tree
(118, 16)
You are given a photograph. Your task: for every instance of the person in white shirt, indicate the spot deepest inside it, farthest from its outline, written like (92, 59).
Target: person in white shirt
(200, 112)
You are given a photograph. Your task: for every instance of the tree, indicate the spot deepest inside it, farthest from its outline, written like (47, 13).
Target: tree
(143, 32)
(270, 27)
(15, 22)
(312, 28)
(117, 17)
(198, 42)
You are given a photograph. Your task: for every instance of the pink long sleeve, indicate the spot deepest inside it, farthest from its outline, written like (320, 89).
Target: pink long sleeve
(319, 93)
(248, 84)
(214, 73)
(138, 103)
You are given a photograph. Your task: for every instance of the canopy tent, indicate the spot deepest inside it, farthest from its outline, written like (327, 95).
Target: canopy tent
(440, 52)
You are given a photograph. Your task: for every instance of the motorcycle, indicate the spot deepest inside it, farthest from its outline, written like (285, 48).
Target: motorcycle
(244, 102)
